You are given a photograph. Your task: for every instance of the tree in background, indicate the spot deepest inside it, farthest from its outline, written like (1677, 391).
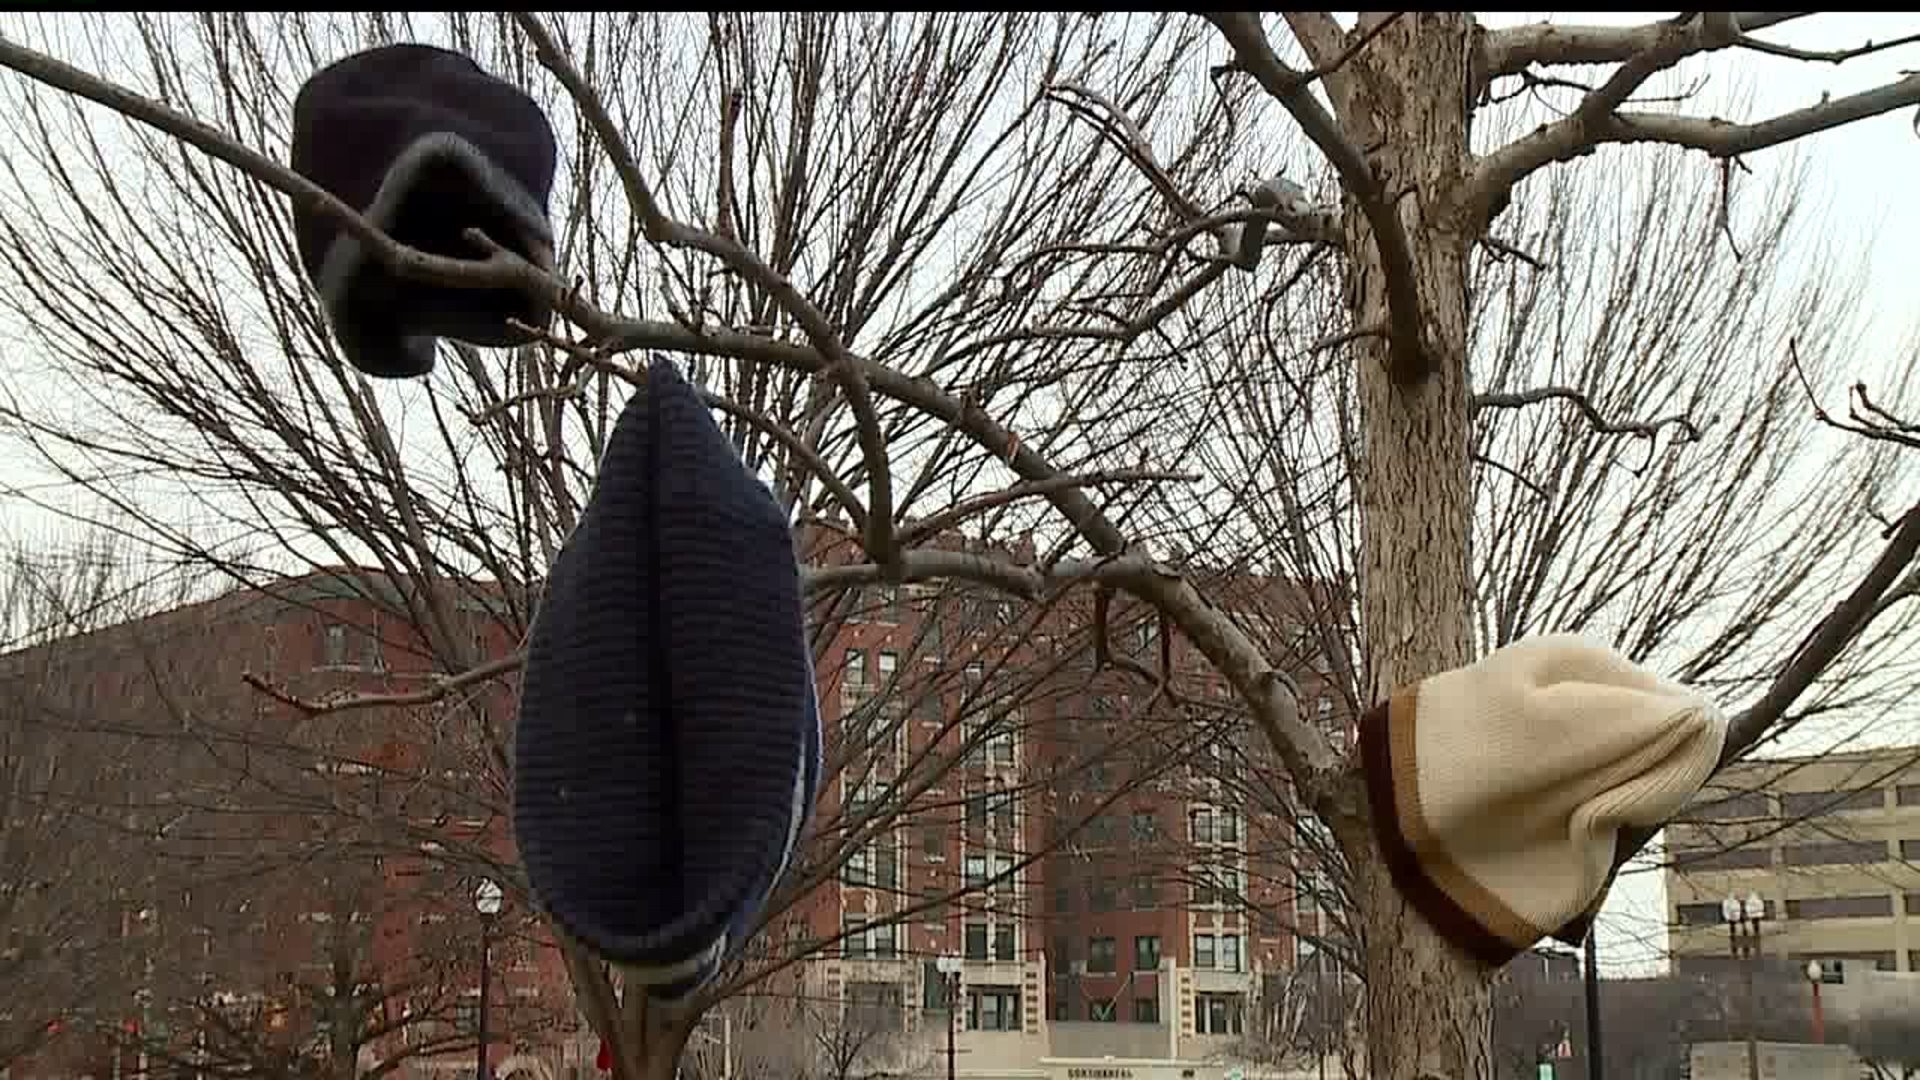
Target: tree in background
(75, 806)
(1039, 275)
(1888, 1042)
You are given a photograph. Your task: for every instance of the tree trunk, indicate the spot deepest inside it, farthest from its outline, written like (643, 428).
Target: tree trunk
(1428, 1005)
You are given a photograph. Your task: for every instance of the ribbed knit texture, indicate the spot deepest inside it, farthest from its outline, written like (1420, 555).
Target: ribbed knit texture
(668, 727)
(1499, 789)
(425, 145)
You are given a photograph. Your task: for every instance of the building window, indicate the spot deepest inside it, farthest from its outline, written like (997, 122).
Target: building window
(1698, 914)
(1203, 951)
(872, 865)
(933, 987)
(1146, 1010)
(1062, 899)
(1146, 952)
(334, 645)
(1200, 825)
(1000, 743)
(1003, 942)
(993, 1008)
(1841, 907)
(933, 842)
(856, 669)
(1146, 892)
(864, 941)
(1218, 885)
(1228, 952)
(1751, 805)
(889, 662)
(1747, 858)
(1000, 807)
(1217, 1014)
(352, 646)
(1061, 960)
(1101, 895)
(1143, 826)
(976, 811)
(1099, 832)
(1800, 804)
(876, 1006)
(1309, 958)
(1101, 1011)
(976, 946)
(976, 871)
(1835, 853)
(1102, 957)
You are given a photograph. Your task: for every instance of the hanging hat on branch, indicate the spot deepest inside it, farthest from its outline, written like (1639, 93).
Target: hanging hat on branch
(668, 747)
(426, 146)
(1498, 790)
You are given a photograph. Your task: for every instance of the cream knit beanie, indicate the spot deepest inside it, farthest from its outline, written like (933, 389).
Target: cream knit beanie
(1498, 789)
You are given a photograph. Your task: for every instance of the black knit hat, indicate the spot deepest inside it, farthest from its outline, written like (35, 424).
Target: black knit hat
(667, 752)
(425, 145)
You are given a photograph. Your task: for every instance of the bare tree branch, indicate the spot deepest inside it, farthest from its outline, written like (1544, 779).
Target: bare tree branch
(1646, 429)
(1643, 51)
(1254, 54)
(662, 229)
(1512, 50)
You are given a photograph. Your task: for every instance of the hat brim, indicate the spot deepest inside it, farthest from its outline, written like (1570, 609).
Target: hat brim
(389, 354)
(1425, 874)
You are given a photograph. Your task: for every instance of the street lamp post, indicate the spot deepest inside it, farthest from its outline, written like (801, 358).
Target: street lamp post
(949, 968)
(1814, 975)
(486, 900)
(1743, 918)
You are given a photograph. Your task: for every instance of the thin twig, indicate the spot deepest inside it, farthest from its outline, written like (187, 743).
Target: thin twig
(1254, 54)
(437, 688)
(841, 368)
(1645, 429)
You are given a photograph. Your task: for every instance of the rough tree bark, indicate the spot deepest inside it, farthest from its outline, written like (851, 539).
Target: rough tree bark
(1403, 87)
(1428, 1003)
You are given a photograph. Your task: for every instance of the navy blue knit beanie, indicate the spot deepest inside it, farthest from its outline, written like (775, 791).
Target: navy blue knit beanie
(668, 747)
(426, 146)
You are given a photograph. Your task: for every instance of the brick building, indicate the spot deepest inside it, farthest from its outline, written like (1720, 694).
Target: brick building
(305, 874)
(1136, 862)
(1112, 864)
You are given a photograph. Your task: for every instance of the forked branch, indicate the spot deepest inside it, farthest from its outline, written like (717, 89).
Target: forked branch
(1512, 50)
(1643, 51)
(1829, 638)
(1865, 417)
(1254, 54)
(660, 228)
(1307, 753)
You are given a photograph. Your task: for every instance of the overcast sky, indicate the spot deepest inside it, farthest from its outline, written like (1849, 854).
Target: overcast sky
(1863, 176)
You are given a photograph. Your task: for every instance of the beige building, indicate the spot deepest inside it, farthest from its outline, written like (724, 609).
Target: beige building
(1830, 843)
(1004, 1029)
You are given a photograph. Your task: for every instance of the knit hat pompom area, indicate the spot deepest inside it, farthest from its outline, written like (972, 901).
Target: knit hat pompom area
(1498, 790)
(425, 145)
(667, 751)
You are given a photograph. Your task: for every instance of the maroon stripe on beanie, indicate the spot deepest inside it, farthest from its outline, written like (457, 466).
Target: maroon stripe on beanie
(1452, 921)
